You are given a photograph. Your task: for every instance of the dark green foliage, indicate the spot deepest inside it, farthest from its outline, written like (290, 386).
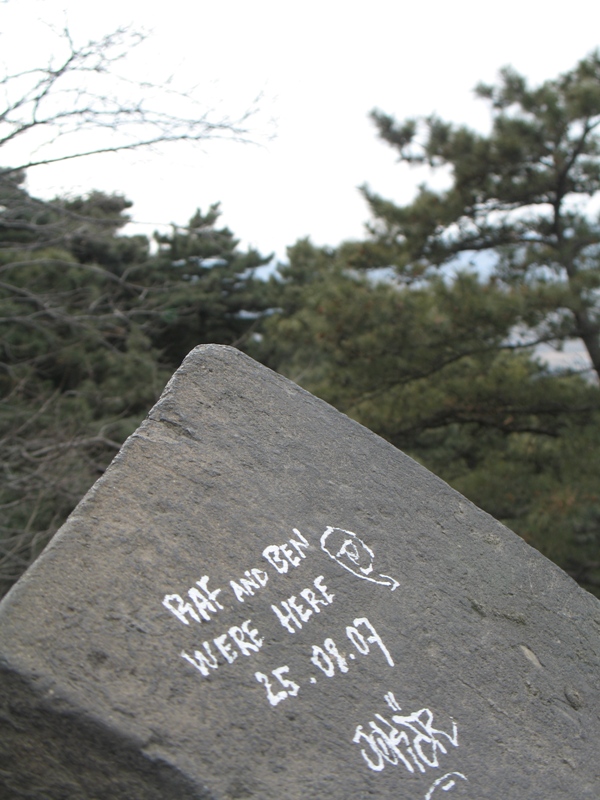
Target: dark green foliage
(93, 322)
(91, 327)
(202, 288)
(514, 436)
(437, 369)
(516, 195)
(75, 373)
(403, 331)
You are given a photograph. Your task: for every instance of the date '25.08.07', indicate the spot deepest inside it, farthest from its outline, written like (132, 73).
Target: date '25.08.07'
(327, 658)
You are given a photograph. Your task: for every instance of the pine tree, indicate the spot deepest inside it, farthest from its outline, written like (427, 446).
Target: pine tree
(202, 288)
(434, 367)
(92, 325)
(519, 195)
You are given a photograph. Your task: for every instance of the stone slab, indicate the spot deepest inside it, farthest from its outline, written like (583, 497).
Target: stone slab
(262, 599)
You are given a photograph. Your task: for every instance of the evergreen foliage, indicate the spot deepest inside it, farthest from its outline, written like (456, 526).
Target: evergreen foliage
(427, 330)
(436, 369)
(519, 194)
(92, 325)
(203, 288)
(404, 330)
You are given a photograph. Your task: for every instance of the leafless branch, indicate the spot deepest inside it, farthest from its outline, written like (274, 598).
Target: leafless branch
(83, 92)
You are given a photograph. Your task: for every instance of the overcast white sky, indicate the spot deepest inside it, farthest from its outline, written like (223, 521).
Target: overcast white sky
(320, 66)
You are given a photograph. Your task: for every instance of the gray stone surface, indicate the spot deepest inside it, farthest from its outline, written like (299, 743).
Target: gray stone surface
(425, 651)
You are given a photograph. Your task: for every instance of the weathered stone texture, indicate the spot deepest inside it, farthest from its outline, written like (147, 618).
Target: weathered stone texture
(369, 632)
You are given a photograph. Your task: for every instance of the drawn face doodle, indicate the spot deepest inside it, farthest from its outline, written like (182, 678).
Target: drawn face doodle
(353, 554)
(349, 551)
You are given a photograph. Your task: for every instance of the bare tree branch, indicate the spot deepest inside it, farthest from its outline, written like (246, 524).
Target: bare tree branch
(82, 92)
